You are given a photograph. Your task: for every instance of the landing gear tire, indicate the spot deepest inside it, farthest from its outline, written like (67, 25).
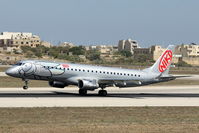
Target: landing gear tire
(82, 92)
(25, 87)
(102, 93)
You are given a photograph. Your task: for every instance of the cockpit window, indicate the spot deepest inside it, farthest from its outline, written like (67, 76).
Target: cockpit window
(19, 64)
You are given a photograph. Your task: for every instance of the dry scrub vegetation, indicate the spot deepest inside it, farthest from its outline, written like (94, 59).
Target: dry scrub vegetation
(100, 120)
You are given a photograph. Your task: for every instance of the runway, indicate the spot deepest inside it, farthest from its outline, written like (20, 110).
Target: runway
(68, 97)
(2, 74)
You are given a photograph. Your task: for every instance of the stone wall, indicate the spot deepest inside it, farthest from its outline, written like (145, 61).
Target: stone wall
(194, 61)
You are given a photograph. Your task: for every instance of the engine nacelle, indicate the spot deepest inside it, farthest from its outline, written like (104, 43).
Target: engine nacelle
(88, 84)
(57, 84)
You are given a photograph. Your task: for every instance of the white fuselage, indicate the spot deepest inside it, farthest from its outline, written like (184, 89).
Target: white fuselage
(71, 73)
(89, 77)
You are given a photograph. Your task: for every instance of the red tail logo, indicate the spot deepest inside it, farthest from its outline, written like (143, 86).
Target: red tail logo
(165, 60)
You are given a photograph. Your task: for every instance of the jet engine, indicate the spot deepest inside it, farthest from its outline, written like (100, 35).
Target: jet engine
(57, 84)
(88, 84)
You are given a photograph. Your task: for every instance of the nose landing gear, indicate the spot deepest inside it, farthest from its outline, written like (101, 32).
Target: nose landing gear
(25, 87)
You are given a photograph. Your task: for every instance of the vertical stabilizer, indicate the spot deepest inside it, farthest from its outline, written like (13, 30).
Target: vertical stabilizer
(163, 63)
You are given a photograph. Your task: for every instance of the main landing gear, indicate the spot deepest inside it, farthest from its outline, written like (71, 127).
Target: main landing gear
(102, 93)
(82, 92)
(25, 87)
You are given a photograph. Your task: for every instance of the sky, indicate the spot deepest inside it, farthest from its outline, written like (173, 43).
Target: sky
(89, 22)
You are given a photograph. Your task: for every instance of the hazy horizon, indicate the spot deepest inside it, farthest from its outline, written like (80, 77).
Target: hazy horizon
(104, 22)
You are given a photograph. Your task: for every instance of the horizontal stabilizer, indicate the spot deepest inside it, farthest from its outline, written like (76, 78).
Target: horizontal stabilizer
(172, 77)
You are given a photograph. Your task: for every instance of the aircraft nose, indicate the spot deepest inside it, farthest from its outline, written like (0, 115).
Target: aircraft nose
(12, 72)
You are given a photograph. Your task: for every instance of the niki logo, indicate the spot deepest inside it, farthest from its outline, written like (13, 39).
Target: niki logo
(65, 65)
(165, 60)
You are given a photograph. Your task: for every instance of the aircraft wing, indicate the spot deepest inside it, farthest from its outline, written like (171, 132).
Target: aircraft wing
(118, 82)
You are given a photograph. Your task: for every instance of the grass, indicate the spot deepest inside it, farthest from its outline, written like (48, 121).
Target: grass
(3, 69)
(100, 120)
(15, 82)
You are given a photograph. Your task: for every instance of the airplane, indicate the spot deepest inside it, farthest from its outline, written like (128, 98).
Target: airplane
(90, 77)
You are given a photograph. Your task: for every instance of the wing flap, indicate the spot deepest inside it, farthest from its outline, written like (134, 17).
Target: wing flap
(119, 82)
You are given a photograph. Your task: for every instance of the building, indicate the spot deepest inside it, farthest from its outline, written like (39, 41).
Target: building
(46, 44)
(157, 51)
(93, 47)
(10, 59)
(14, 40)
(127, 45)
(188, 53)
(67, 44)
(14, 35)
(188, 50)
(143, 51)
(105, 49)
(154, 51)
(87, 48)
